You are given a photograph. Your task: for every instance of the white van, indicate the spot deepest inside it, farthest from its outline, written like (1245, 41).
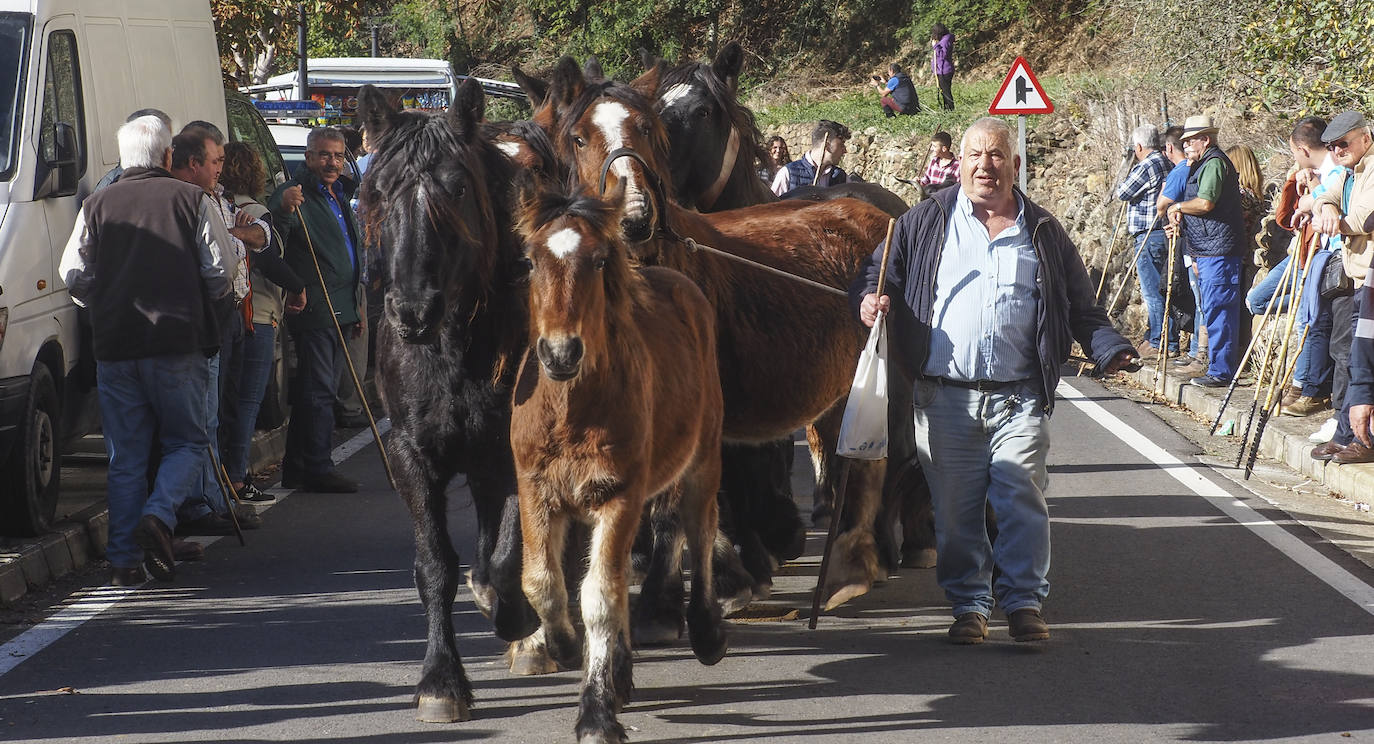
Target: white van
(71, 71)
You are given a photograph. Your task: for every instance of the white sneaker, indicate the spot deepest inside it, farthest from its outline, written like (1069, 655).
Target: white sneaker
(1325, 433)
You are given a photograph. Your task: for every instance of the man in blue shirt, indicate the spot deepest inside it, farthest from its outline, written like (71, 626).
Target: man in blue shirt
(898, 93)
(992, 295)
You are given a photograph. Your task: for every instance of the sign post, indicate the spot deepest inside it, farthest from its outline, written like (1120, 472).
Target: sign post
(1021, 95)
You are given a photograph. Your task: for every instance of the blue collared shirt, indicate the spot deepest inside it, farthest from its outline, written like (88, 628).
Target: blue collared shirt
(338, 209)
(987, 301)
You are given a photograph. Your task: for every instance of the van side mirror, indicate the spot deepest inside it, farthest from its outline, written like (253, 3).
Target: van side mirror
(59, 176)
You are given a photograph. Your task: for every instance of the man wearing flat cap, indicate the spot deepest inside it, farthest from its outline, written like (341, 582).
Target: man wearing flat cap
(1210, 219)
(1350, 212)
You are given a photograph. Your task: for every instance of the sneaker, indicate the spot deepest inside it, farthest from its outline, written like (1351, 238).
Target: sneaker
(1184, 360)
(250, 492)
(1306, 405)
(156, 540)
(1208, 381)
(1325, 433)
(1026, 624)
(968, 629)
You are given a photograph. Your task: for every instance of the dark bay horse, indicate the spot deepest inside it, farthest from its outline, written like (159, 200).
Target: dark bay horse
(618, 402)
(450, 339)
(786, 351)
(704, 119)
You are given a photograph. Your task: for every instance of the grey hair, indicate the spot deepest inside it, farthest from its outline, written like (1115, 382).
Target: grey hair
(1147, 136)
(143, 142)
(322, 133)
(997, 128)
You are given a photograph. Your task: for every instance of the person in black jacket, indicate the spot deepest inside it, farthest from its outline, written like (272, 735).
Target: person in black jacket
(990, 294)
(145, 256)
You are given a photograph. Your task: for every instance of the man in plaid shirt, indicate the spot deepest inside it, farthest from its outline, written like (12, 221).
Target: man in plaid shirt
(943, 169)
(1141, 190)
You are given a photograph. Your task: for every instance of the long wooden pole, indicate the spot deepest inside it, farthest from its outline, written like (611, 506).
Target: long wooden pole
(1160, 377)
(1254, 341)
(343, 342)
(837, 513)
(825, 147)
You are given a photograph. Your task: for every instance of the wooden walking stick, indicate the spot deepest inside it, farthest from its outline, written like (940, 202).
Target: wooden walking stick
(1160, 377)
(1268, 410)
(1279, 363)
(837, 513)
(825, 147)
(343, 342)
(1250, 348)
(1130, 270)
(1111, 247)
(229, 496)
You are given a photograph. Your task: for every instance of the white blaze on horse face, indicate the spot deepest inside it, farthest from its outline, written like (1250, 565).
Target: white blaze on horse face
(511, 149)
(675, 94)
(564, 243)
(610, 118)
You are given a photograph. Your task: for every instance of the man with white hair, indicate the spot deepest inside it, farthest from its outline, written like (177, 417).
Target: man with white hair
(145, 257)
(992, 294)
(1141, 191)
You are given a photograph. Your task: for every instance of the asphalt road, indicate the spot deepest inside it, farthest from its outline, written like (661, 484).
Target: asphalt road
(1183, 608)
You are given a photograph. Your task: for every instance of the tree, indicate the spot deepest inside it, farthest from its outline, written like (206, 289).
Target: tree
(251, 32)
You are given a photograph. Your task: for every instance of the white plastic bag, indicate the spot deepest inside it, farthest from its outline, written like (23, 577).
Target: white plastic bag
(863, 432)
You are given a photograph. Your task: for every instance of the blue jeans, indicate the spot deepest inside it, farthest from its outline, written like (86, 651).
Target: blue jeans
(1197, 305)
(319, 358)
(1153, 262)
(1345, 434)
(1219, 285)
(143, 402)
(1314, 364)
(206, 497)
(1257, 299)
(259, 352)
(979, 449)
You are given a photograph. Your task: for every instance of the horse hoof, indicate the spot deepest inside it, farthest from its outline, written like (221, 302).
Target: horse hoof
(710, 646)
(433, 709)
(736, 603)
(528, 660)
(763, 590)
(923, 558)
(656, 633)
(844, 594)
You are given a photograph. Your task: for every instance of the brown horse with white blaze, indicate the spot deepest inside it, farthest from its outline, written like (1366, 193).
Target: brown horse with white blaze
(786, 351)
(617, 402)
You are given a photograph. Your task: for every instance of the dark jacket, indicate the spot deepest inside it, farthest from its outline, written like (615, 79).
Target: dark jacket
(1067, 311)
(802, 172)
(904, 95)
(146, 295)
(1220, 232)
(340, 275)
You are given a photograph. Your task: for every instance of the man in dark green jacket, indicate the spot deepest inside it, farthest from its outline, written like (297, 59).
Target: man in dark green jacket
(311, 211)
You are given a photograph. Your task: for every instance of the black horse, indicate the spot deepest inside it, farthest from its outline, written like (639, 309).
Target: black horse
(714, 155)
(449, 342)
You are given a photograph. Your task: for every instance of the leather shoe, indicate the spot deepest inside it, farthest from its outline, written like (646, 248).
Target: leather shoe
(1353, 454)
(1209, 381)
(968, 629)
(1306, 405)
(1326, 451)
(350, 421)
(128, 576)
(330, 482)
(185, 550)
(1026, 624)
(156, 540)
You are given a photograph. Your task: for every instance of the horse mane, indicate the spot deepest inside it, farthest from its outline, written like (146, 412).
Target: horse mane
(623, 281)
(741, 117)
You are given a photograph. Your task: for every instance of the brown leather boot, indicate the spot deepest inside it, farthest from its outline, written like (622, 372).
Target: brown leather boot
(1026, 624)
(968, 629)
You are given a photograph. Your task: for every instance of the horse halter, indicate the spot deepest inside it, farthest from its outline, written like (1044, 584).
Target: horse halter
(727, 166)
(655, 185)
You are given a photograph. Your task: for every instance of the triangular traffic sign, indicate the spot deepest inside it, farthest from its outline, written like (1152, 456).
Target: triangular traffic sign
(1021, 93)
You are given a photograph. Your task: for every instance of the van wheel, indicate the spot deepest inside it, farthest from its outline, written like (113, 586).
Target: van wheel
(30, 477)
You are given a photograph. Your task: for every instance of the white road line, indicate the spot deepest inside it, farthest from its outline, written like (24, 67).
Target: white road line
(1349, 585)
(88, 603)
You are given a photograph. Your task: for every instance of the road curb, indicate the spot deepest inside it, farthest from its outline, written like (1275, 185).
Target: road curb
(1284, 439)
(77, 541)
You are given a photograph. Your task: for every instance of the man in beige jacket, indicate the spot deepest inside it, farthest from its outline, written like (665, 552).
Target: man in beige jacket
(1352, 145)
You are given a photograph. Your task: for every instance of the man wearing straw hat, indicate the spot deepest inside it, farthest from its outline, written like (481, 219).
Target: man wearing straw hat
(991, 294)
(312, 214)
(1209, 217)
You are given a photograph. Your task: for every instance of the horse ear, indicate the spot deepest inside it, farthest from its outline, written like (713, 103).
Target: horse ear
(728, 64)
(374, 111)
(592, 69)
(468, 109)
(647, 84)
(648, 59)
(568, 83)
(525, 186)
(536, 89)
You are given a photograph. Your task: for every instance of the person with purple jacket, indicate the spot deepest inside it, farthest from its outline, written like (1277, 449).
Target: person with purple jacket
(942, 63)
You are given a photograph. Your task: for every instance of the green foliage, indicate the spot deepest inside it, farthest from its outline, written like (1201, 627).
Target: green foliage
(1310, 57)
(965, 18)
